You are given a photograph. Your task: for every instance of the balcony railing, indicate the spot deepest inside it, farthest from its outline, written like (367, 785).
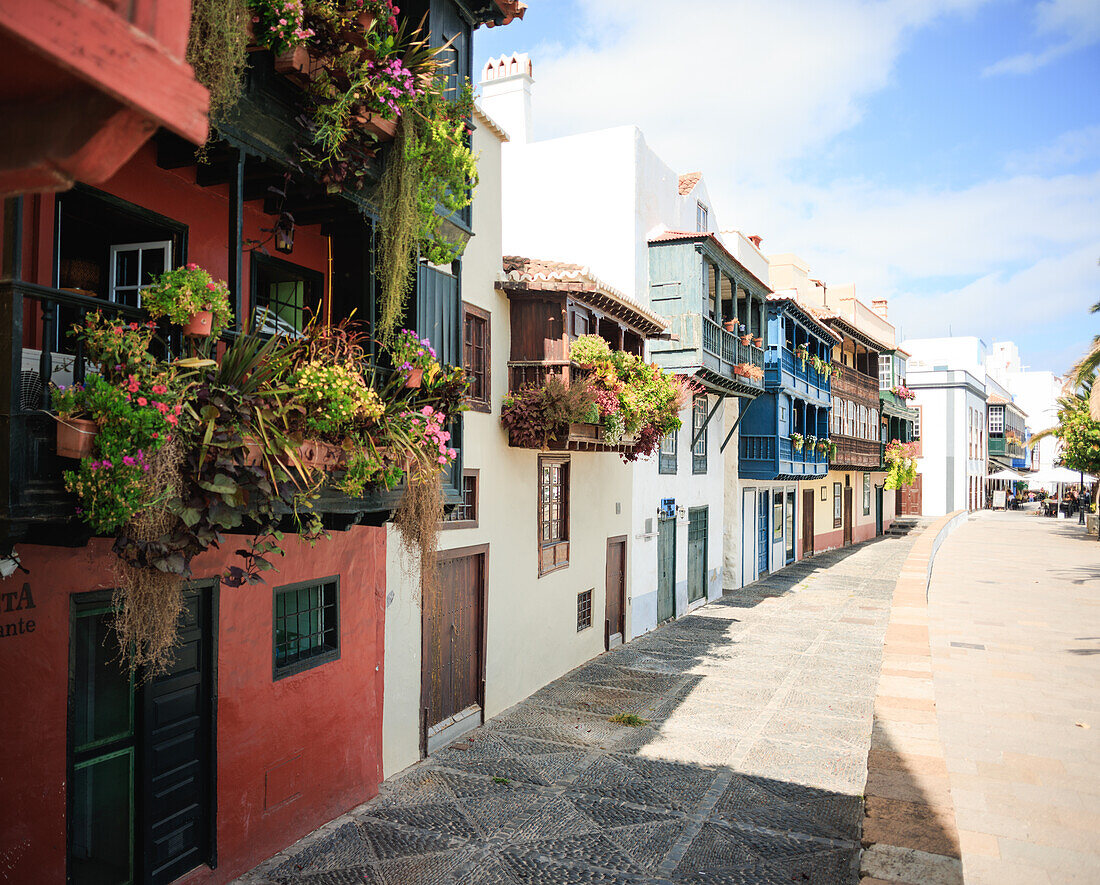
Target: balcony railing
(854, 385)
(728, 347)
(1000, 447)
(761, 458)
(865, 454)
(36, 498)
(779, 361)
(533, 373)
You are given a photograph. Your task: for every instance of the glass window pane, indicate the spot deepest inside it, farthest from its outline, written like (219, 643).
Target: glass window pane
(126, 268)
(152, 264)
(104, 710)
(102, 821)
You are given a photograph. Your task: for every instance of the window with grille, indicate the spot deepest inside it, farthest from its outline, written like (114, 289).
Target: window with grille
(475, 356)
(284, 295)
(553, 514)
(996, 419)
(307, 625)
(698, 423)
(584, 610)
(667, 459)
(464, 515)
(885, 371)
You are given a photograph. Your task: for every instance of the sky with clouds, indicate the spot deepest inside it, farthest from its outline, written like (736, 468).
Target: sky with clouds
(944, 154)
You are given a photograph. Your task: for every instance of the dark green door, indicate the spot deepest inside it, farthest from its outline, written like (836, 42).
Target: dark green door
(666, 569)
(697, 553)
(141, 807)
(101, 810)
(878, 511)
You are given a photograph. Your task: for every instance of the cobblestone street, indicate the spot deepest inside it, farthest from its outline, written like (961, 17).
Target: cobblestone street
(749, 768)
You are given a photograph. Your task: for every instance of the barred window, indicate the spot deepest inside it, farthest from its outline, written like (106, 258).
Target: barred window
(464, 515)
(584, 610)
(698, 423)
(307, 625)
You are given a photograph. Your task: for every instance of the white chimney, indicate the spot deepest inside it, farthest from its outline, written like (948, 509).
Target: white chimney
(506, 94)
(879, 306)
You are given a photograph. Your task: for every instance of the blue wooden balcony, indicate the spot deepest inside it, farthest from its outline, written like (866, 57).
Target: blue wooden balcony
(784, 370)
(775, 458)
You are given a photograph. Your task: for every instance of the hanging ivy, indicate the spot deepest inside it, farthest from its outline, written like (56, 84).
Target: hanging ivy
(217, 50)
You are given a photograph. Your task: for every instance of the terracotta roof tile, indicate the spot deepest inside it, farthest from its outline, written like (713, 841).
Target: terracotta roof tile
(512, 9)
(688, 182)
(536, 271)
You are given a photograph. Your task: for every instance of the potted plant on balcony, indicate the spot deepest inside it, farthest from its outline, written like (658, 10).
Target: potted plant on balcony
(797, 441)
(809, 443)
(412, 355)
(76, 431)
(803, 354)
(189, 297)
(746, 337)
(901, 465)
(832, 450)
(759, 342)
(822, 446)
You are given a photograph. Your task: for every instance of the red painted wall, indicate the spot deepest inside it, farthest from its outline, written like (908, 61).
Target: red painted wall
(292, 754)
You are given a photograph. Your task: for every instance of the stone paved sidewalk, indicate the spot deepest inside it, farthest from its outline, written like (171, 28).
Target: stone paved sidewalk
(749, 769)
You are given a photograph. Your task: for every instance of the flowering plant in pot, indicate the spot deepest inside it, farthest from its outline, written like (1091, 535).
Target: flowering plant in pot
(822, 446)
(189, 297)
(76, 431)
(809, 443)
(279, 24)
(797, 441)
(746, 337)
(412, 355)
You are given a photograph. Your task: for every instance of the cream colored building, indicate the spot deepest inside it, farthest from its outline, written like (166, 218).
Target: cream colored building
(530, 629)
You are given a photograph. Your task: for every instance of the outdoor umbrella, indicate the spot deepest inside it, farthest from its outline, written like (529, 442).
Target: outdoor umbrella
(1005, 473)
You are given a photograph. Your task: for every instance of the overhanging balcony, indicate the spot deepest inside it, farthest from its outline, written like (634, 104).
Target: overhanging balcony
(771, 458)
(717, 357)
(853, 385)
(857, 454)
(784, 369)
(1004, 449)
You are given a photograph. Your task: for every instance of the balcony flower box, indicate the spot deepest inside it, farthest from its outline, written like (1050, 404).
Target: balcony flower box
(748, 370)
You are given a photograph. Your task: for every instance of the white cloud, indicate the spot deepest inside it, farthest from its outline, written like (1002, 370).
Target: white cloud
(727, 82)
(1066, 151)
(1065, 26)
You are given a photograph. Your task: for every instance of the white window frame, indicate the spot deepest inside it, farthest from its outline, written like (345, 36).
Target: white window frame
(996, 419)
(885, 371)
(164, 245)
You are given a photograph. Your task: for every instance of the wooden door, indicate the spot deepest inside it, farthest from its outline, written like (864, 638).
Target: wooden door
(177, 757)
(807, 522)
(762, 541)
(615, 593)
(697, 554)
(908, 499)
(454, 625)
(848, 511)
(878, 511)
(142, 751)
(666, 569)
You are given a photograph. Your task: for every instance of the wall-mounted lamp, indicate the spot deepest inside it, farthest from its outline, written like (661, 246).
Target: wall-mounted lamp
(284, 233)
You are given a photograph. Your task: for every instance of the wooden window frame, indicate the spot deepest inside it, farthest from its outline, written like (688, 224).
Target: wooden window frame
(668, 463)
(483, 403)
(584, 610)
(838, 505)
(866, 494)
(475, 474)
(553, 554)
(699, 458)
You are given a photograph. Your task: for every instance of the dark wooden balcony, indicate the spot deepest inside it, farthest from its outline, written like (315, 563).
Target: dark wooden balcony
(856, 387)
(34, 505)
(857, 454)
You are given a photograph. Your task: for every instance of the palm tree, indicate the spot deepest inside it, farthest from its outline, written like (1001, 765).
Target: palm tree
(1086, 368)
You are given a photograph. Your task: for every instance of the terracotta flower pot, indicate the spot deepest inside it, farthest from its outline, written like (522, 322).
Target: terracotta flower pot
(312, 454)
(200, 324)
(729, 326)
(366, 20)
(379, 127)
(75, 437)
(414, 378)
(746, 339)
(759, 342)
(295, 64)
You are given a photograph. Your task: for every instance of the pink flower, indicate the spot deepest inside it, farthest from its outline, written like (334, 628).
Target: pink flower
(142, 401)
(172, 419)
(159, 389)
(211, 286)
(282, 21)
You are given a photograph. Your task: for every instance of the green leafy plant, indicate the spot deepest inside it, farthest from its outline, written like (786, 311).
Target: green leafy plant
(797, 441)
(217, 50)
(901, 465)
(630, 719)
(181, 293)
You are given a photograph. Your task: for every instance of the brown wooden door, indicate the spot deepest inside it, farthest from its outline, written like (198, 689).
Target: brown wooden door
(848, 516)
(808, 522)
(454, 624)
(910, 499)
(615, 592)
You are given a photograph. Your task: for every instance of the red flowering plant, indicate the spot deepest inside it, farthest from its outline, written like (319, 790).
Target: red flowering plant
(136, 402)
(181, 293)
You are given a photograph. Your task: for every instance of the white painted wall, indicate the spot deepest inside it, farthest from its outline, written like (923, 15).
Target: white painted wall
(1035, 391)
(531, 622)
(595, 199)
(946, 398)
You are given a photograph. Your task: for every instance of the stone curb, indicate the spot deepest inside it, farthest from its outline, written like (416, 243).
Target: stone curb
(909, 830)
